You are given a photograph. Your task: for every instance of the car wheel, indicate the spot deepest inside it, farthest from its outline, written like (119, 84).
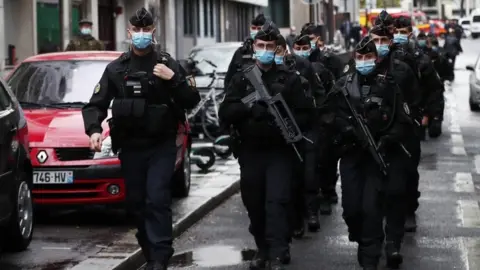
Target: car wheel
(20, 228)
(474, 107)
(182, 177)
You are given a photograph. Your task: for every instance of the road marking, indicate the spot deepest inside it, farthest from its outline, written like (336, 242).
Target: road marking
(457, 139)
(458, 151)
(231, 162)
(468, 213)
(477, 164)
(464, 183)
(56, 248)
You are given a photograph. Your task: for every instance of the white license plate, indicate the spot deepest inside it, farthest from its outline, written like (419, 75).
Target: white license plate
(53, 177)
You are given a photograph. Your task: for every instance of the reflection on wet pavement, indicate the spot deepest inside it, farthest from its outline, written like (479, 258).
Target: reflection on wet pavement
(212, 256)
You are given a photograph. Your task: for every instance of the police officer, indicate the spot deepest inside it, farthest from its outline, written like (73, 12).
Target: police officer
(266, 161)
(441, 63)
(326, 165)
(370, 191)
(452, 45)
(85, 41)
(243, 56)
(306, 191)
(146, 110)
(320, 53)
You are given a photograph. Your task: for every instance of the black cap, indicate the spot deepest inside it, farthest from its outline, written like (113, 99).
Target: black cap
(85, 21)
(141, 18)
(269, 32)
(422, 35)
(281, 41)
(302, 40)
(366, 45)
(311, 29)
(259, 20)
(381, 31)
(402, 22)
(384, 19)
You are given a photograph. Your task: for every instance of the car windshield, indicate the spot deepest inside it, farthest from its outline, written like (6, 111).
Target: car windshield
(465, 22)
(220, 56)
(476, 19)
(65, 83)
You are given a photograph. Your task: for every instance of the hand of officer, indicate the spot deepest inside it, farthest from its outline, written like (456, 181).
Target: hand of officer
(163, 72)
(425, 121)
(96, 142)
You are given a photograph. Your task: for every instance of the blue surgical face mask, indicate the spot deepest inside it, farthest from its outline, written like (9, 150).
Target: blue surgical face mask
(253, 33)
(265, 57)
(141, 40)
(365, 67)
(86, 31)
(435, 48)
(278, 59)
(400, 38)
(313, 44)
(422, 43)
(304, 54)
(383, 50)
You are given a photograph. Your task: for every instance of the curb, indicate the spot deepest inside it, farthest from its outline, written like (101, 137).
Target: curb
(136, 259)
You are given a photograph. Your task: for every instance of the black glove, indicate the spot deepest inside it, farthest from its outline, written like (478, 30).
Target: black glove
(259, 110)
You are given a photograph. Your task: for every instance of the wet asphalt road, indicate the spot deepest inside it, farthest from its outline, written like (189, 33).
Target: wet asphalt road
(448, 236)
(64, 238)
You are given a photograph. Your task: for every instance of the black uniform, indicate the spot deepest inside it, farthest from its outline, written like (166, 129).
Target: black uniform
(331, 61)
(143, 129)
(266, 161)
(242, 58)
(452, 47)
(306, 192)
(367, 195)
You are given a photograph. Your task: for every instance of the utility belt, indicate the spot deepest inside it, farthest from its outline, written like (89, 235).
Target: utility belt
(136, 118)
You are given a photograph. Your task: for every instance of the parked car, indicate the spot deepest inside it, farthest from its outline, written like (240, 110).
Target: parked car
(52, 89)
(465, 24)
(474, 99)
(16, 206)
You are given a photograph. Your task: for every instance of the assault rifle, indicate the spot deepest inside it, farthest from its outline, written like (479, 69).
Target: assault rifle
(364, 131)
(277, 107)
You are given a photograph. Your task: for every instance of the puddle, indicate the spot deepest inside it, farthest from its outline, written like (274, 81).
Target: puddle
(212, 256)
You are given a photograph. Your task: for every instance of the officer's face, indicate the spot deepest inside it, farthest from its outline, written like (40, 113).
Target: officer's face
(365, 57)
(297, 47)
(281, 51)
(134, 29)
(403, 31)
(262, 45)
(85, 26)
(381, 40)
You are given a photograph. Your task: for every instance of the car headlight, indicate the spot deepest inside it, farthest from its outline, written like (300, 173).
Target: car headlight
(106, 150)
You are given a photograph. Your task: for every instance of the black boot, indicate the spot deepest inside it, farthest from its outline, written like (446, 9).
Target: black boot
(313, 221)
(299, 229)
(392, 253)
(259, 261)
(325, 206)
(286, 257)
(151, 265)
(276, 264)
(411, 223)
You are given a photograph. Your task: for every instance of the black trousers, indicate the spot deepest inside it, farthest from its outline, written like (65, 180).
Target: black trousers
(148, 175)
(328, 171)
(413, 145)
(368, 197)
(265, 186)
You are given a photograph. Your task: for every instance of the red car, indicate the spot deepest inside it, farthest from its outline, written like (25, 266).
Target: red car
(52, 89)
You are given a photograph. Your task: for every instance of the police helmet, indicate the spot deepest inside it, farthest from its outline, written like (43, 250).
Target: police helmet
(268, 32)
(366, 45)
(384, 19)
(382, 31)
(141, 18)
(259, 20)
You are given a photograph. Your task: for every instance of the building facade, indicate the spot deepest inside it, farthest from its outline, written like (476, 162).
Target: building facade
(442, 8)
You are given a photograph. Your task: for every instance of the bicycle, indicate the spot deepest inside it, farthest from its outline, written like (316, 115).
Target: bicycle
(208, 106)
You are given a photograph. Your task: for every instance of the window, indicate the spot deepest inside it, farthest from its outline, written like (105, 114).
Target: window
(4, 98)
(56, 81)
(476, 19)
(279, 12)
(465, 22)
(197, 17)
(212, 18)
(188, 18)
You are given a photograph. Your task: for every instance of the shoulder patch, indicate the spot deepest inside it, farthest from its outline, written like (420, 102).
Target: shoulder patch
(346, 68)
(96, 90)
(191, 81)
